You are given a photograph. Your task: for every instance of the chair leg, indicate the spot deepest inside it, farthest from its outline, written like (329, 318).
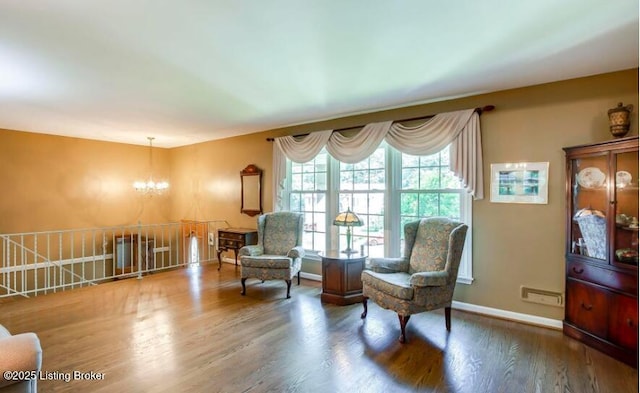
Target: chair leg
(288, 289)
(244, 289)
(447, 318)
(364, 303)
(403, 323)
(298, 278)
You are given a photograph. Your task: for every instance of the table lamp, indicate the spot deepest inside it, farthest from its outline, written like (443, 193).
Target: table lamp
(348, 219)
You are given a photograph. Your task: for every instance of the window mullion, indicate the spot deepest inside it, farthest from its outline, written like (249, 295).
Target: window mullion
(333, 187)
(392, 208)
(286, 194)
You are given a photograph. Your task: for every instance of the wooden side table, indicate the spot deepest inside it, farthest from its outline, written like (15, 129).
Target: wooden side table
(341, 283)
(234, 239)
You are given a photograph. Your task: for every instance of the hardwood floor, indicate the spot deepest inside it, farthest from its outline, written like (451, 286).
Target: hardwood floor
(189, 330)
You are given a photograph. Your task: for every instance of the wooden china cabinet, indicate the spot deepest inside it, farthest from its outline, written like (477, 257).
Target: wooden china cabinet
(602, 247)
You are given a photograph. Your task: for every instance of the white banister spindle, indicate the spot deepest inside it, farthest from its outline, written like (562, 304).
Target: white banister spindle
(82, 266)
(72, 239)
(48, 269)
(35, 261)
(93, 255)
(59, 270)
(104, 253)
(21, 259)
(139, 251)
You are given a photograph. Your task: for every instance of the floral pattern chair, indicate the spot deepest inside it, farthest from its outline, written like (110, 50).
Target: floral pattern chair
(422, 280)
(278, 254)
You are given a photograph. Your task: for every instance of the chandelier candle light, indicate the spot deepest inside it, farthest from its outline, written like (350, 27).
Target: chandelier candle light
(348, 219)
(150, 186)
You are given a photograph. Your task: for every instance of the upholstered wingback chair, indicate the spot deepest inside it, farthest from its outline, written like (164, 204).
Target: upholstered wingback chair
(422, 280)
(20, 352)
(278, 254)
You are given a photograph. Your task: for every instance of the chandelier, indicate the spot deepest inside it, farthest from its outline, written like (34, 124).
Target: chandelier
(150, 186)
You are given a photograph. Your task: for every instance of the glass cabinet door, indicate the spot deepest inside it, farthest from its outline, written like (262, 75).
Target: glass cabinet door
(625, 247)
(589, 183)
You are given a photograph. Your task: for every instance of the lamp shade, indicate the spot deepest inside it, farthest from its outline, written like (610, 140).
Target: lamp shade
(348, 219)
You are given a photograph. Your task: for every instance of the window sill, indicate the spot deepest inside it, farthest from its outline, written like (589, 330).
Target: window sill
(464, 280)
(312, 256)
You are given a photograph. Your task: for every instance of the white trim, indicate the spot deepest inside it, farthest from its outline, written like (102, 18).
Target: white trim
(311, 276)
(464, 280)
(510, 315)
(465, 271)
(65, 262)
(311, 256)
(58, 263)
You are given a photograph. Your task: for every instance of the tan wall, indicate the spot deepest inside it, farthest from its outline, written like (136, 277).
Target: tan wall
(51, 183)
(54, 182)
(206, 179)
(524, 244)
(515, 244)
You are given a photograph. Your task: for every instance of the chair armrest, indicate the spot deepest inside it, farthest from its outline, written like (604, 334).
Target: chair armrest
(251, 251)
(296, 252)
(20, 352)
(387, 265)
(429, 279)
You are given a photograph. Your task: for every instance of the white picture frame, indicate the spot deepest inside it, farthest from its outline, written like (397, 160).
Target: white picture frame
(520, 182)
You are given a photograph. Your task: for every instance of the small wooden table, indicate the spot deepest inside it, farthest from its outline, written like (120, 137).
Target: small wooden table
(341, 283)
(234, 239)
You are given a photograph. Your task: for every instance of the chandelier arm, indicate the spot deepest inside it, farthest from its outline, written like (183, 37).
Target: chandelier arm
(150, 186)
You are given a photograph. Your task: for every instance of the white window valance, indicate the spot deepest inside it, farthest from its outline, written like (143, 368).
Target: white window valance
(460, 130)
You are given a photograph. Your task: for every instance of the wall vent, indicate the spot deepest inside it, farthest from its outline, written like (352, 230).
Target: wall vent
(541, 296)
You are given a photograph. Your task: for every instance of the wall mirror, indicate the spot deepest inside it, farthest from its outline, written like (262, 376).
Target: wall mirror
(251, 190)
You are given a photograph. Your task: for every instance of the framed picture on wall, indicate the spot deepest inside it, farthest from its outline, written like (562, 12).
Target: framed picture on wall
(520, 182)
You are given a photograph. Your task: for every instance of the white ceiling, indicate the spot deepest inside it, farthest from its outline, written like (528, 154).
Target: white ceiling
(196, 70)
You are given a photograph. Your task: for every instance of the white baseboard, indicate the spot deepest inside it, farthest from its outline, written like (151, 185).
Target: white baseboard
(510, 315)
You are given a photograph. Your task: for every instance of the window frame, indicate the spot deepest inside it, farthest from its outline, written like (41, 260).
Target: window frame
(288, 190)
(353, 193)
(392, 210)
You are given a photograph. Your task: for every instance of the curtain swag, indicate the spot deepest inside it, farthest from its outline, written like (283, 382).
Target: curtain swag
(460, 130)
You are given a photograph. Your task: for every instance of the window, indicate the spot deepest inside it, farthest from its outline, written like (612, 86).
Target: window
(408, 187)
(194, 254)
(362, 189)
(308, 195)
(428, 188)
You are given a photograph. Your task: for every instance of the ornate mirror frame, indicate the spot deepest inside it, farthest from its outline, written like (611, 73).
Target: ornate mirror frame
(251, 190)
